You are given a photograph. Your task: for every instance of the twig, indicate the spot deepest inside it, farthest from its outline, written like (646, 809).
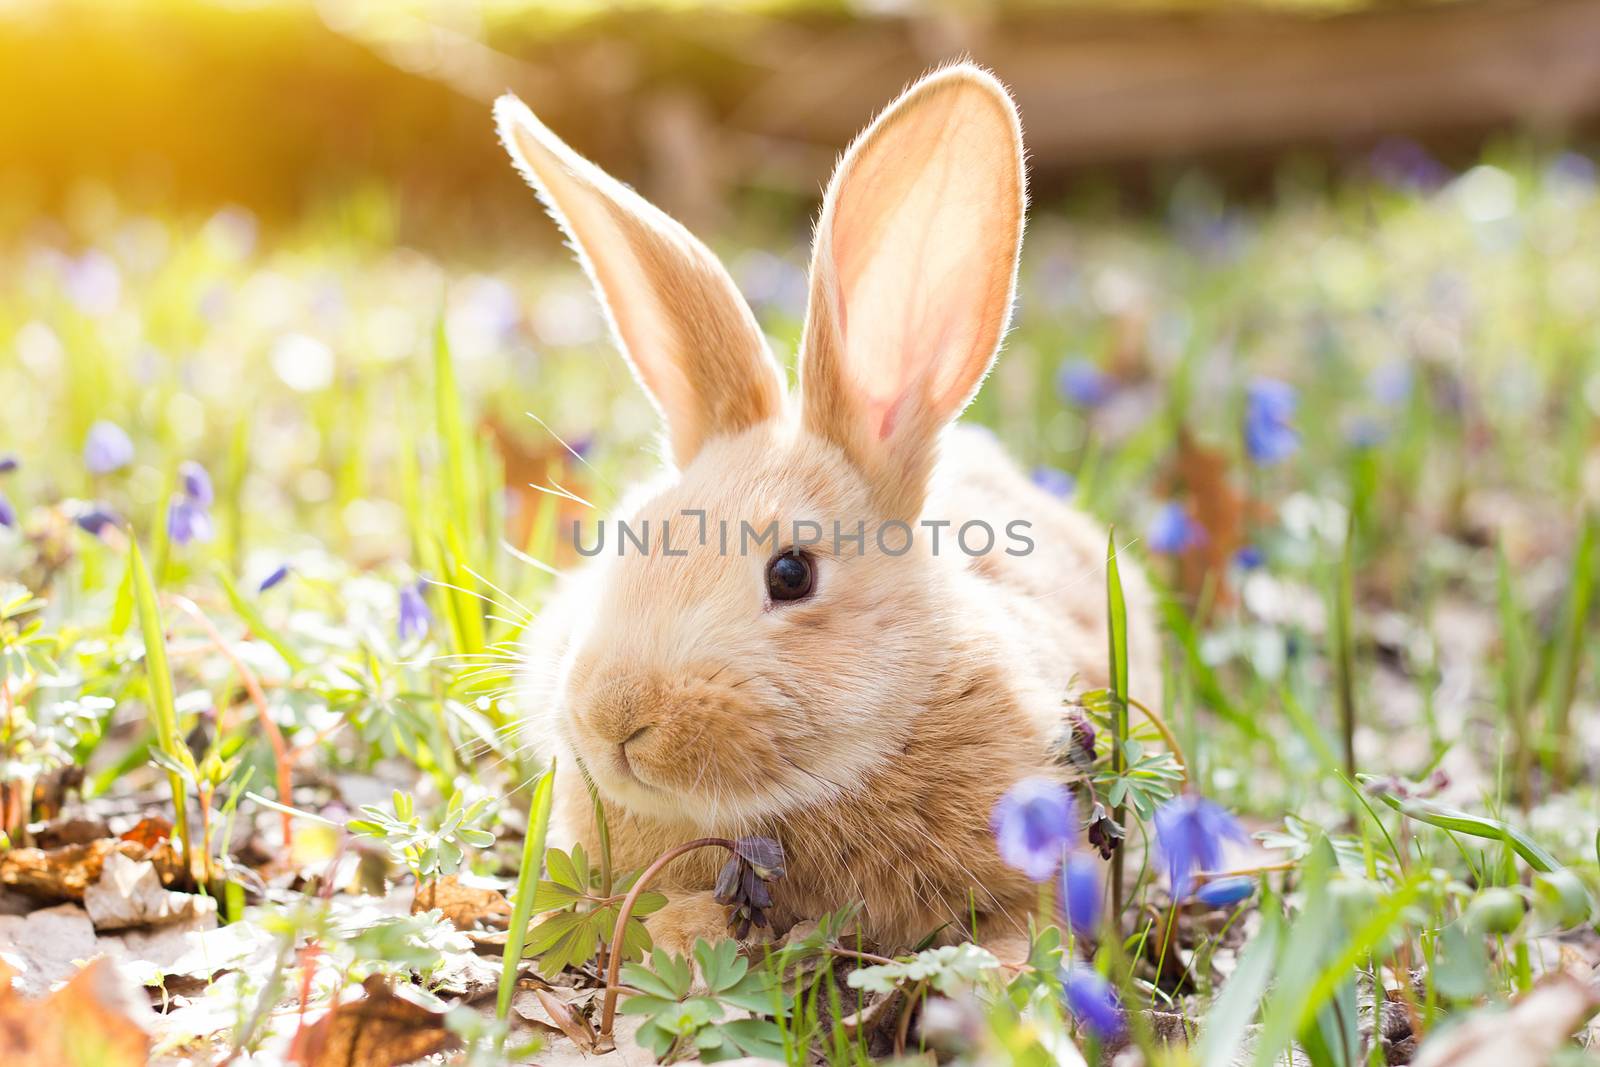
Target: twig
(608, 1011)
(1167, 736)
(252, 686)
(1202, 877)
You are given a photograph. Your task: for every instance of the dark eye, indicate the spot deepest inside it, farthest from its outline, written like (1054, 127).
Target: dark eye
(791, 576)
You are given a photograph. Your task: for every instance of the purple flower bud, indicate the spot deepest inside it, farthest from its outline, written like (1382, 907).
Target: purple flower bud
(1032, 826)
(96, 520)
(274, 578)
(1080, 382)
(1190, 832)
(1269, 436)
(1248, 558)
(8, 463)
(1172, 532)
(1080, 893)
(8, 514)
(415, 618)
(107, 448)
(196, 483)
(187, 521)
(1225, 891)
(1058, 483)
(1092, 1002)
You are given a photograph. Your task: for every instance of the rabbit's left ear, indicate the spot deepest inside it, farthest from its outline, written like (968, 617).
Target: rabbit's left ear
(688, 334)
(912, 278)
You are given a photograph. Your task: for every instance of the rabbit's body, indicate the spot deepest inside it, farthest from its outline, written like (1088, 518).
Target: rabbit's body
(866, 707)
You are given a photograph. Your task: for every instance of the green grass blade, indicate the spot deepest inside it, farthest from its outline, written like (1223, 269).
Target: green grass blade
(1117, 640)
(527, 882)
(1580, 586)
(1481, 826)
(163, 706)
(251, 615)
(1228, 1019)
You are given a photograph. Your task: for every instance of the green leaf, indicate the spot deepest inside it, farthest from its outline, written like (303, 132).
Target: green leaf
(560, 869)
(163, 706)
(1461, 822)
(644, 979)
(644, 1004)
(1223, 1031)
(758, 1038)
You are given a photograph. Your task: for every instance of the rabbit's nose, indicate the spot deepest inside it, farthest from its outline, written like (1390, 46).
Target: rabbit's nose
(620, 712)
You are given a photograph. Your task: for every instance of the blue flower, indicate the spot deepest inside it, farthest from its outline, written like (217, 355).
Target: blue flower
(1224, 891)
(1092, 1002)
(8, 463)
(1080, 893)
(274, 578)
(187, 521)
(96, 520)
(1080, 382)
(1390, 382)
(1249, 558)
(8, 514)
(1172, 532)
(1032, 826)
(196, 483)
(1058, 483)
(1365, 432)
(1269, 435)
(107, 448)
(415, 618)
(1190, 831)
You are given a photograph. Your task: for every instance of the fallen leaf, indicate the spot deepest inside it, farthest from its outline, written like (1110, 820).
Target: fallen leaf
(149, 831)
(567, 1018)
(68, 830)
(129, 893)
(1528, 1034)
(95, 1020)
(385, 1028)
(66, 873)
(45, 945)
(464, 902)
(1220, 507)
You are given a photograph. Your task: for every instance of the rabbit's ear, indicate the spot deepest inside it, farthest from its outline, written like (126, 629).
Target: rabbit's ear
(912, 277)
(688, 334)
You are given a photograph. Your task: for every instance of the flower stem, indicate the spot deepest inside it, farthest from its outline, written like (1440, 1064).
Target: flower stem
(608, 1011)
(1167, 735)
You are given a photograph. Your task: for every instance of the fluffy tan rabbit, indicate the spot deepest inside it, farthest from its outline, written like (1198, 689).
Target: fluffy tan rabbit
(866, 708)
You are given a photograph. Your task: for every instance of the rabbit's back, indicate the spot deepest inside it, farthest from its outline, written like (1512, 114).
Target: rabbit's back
(1047, 578)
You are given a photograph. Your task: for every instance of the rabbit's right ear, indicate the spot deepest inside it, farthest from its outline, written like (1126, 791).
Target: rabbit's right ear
(688, 334)
(912, 278)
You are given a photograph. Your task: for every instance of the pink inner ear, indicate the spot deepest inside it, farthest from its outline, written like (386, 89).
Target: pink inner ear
(924, 234)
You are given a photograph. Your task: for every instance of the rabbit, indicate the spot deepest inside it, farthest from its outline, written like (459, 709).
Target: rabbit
(866, 709)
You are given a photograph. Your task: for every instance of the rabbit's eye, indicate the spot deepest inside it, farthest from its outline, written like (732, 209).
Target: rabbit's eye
(791, 576)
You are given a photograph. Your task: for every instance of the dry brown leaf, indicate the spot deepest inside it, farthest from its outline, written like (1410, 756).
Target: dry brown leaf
(69, 830)
(529, 469)
(150, 831)
(568, 1019)
(92, 1021)
(1527, 1035)
(129, 893)
(465, 904)
(66, 873)
(1220, 507)
(385, 1028)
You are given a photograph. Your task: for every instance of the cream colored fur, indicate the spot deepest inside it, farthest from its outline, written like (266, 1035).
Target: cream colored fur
(871, 727)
